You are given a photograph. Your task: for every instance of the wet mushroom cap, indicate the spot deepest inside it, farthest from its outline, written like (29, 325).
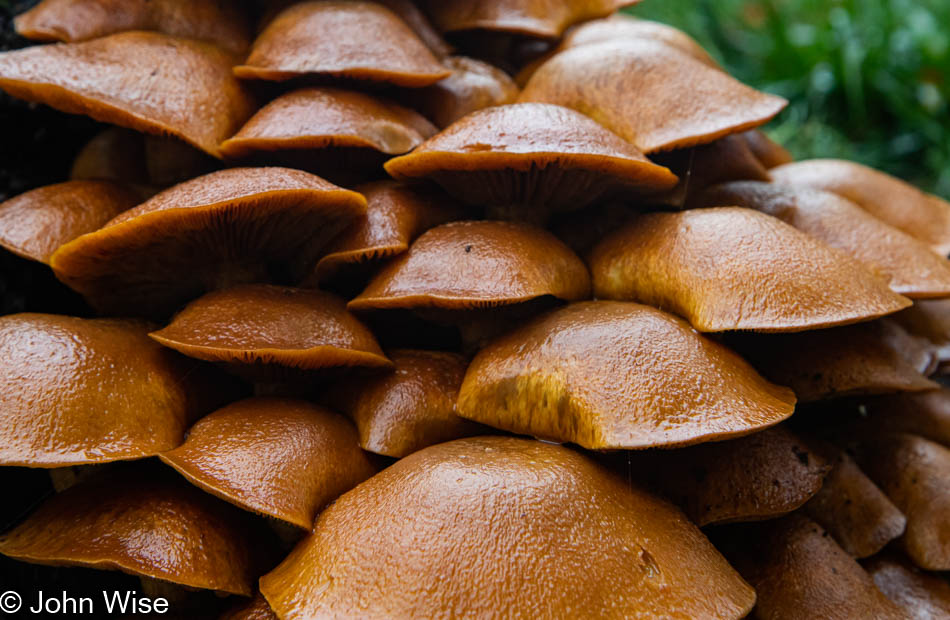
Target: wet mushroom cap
(146, 81)
(618, 375)
(472, 86)
(730, 268)
(575, 538)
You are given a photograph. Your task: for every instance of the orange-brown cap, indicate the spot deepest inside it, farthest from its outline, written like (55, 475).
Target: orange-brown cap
(409, 409)
(472, 86)
(900, 204)
(280, 457)
(227, 227)
(919, 594)
(221, 23)
(909, 265)
(767, 150)
(77, 391)
(142, 521)
(731, 268)
(356, 40)
(610, 375)
(505, 527)
(463, 265)
(531, 154)
(35, 223)
(597, 79)
(147, 81)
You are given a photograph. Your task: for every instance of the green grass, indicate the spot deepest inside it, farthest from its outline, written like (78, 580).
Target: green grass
(867, 80)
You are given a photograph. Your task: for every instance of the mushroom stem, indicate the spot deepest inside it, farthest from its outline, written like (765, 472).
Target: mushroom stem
(518, 213)
(235, 274)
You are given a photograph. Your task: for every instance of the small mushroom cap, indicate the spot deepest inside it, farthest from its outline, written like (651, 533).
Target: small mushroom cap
(416, 19)
(612, 375)
(230, 226)
(34, 224)
(221, 23)
(316, 118)
(464, 265)
(731, 268)
(921, 413)
(531, 153)
(114, 154)
(79, 391)
(909, 265)
(262, 324)
(507, 527)
(146, 81)
(900, 204)
(921, 595)
(146, 523)
(412, 408)
(472, 86)
(357, 40)
(280, 457)
(768, 151)
(597, 79)
(929, 319)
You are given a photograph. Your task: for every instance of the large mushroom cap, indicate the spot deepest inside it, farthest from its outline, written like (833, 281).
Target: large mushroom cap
(531, 153)
(227, 227)
(910, 266)
(919, 594)
(221, 23)
(506, 527)
(356, 40)
(147, 81)
(463, 265)
(900, 204)
(280, 457)
(34, 224)
(611, 375)
(76, 391)
(472, 86)
(597, 79)
(732, 268)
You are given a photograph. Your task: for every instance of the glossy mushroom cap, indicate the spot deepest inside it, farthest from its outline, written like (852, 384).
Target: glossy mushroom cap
(730, 268)
(221, 23)
(534, 18)
(610, 375)
(146, 523)
(507, 527)
(221, 229)
(597, 79)
(146, 81)
(900, 204)
(472, 86)
(919, 594)
(34, 224)
(909, 265)
(357, 40)
(79, 391)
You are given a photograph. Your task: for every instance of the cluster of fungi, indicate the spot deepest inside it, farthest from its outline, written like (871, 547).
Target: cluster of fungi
(467, 308)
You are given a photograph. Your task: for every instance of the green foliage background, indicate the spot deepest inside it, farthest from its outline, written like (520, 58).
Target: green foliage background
(868, 80)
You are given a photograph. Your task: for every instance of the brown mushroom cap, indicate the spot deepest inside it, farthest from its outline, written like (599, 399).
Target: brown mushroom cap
(356, 40)
(34, 224)
(768, 151)
(921, 595)
(221, 23)
(416, 19)
(903, 206)
(114, 154)
(597, 79)
(280, 457)
(507, 527)
(731, 268)
(909, 265)
(472, 86)
(464, 265)
(531, 154)
(147, 81)
(610, 375)
(143, 522)
(227, 227)
(410, 409)
(930, 319)
(77, 391)
(921, 413)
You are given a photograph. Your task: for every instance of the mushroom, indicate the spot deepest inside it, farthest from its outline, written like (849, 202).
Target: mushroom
(543, 156)
(617, 375)
(597, 79)
(909, 265)
(731, 268)
(82, 391)
(225, 228)
(356, 40)
(920, 413)
(921, 595)
(769, 152)
(255, 609)
(416, 19)
(150, 82)
(900, 204)
(930, 319)
(507, 527)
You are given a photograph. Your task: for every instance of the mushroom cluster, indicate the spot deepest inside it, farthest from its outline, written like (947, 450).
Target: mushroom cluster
(466, 308)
